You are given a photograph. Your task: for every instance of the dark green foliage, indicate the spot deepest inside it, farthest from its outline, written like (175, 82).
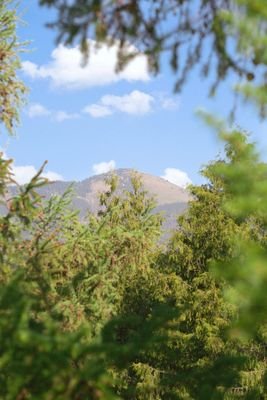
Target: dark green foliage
(58, 290)
(99, 310)
(245, 181)
(38, 360)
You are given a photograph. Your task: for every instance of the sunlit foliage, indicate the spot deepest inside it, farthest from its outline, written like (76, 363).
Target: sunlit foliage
(103, 310)
(12, 89)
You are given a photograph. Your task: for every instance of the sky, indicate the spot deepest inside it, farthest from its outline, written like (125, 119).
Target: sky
(88, 120)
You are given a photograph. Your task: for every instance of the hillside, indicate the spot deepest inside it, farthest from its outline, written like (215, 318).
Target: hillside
(171, 200)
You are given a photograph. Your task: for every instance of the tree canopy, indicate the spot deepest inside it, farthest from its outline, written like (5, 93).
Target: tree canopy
(100, 309)
(12, 89)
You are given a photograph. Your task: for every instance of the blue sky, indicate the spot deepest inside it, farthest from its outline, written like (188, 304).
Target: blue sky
(84, 121)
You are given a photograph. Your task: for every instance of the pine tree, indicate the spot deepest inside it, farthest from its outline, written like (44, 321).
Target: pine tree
(12, 89)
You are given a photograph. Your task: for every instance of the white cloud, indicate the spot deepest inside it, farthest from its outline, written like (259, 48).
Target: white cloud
(30, 69)
(53, 176)
(61, 116)
(3, 154)
(177, 177)
(104, 167)
(66, 67)
(97, 110)
(134, 103)
(169, 103)
(23, 174)
(37, 110)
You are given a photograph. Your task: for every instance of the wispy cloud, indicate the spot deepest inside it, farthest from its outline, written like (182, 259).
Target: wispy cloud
(61, 116)
(24, 173)
(97, 110)
(103, 167)
(169, 103)
(177, 177)
(134, 103)
(66, 68)
(37, 110)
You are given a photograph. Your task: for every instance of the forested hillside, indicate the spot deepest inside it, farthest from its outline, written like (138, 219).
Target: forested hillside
(111, 314)
(170, 200)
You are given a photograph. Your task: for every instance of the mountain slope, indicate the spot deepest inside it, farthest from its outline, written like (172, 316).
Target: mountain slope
(171, 199)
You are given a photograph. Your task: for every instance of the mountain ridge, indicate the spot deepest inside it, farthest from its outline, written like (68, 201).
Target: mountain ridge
(171, 200)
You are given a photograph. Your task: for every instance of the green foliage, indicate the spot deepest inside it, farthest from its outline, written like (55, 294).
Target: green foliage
(62, 286)
(99, 310)
(244, 176)
(12, 90)
(217, 236)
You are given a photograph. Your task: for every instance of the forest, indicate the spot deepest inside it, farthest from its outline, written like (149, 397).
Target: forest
(103, 309)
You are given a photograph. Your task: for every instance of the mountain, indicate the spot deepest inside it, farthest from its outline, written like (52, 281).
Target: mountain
(171, 199)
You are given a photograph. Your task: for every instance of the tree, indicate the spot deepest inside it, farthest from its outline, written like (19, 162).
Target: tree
(12, 89)
(235, 30)
(211, 237)
(62, 284)
(30, 325)
(244, 177)
(118, 316)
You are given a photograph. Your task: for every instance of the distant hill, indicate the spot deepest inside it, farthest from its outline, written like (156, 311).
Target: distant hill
(171, 199)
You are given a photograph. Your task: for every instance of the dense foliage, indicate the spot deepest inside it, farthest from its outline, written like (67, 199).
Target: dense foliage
(103, 310)
(12, 90)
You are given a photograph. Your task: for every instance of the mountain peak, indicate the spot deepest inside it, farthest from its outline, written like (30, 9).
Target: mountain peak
(172, 200)
(164, 191)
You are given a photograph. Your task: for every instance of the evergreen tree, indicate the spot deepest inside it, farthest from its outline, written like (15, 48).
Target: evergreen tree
(207, 235)
(98, 310)
(12, 89)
